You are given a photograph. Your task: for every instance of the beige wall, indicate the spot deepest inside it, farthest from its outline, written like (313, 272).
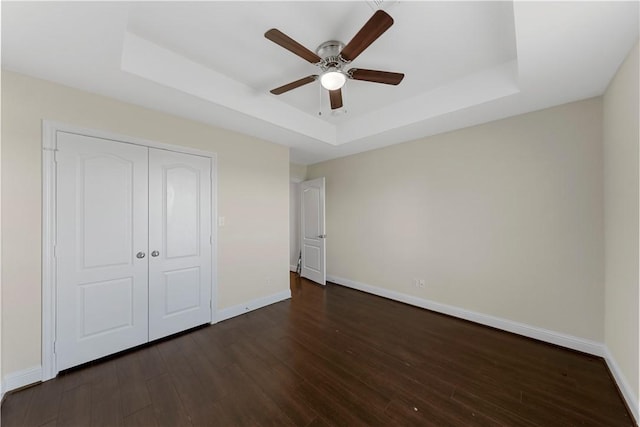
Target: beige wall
(621, 175)
(297, 173)
(504, 219)
(253, 194)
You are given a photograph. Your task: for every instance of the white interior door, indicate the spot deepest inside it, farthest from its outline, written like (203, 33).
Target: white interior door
(179, 242)
(101, 262)
(313, 230)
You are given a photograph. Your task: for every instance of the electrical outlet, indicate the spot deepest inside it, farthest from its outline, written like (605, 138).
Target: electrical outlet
(421, 283)
(415, 283)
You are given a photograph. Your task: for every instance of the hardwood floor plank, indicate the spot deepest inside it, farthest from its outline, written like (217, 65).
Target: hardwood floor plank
(364, 403)
(208, 374)
(504, 414)
(106, 401)
(74, 378)
(99, 371)
(214, 351)
(318, 422)
(249, 404)
(572, 414)
(566, 396)
(151, 363)
(444, 409)
(416, 411)
(144, 417)
(45, 403)
(107, 413)
(379, 370)
(331, 356)
(275, 381)
(187, 383)
(166, 403)
(133, 389)
(330, 407)
(405, 413)
(14, 410)
(278, 385)
(75, 407)
(208, 415)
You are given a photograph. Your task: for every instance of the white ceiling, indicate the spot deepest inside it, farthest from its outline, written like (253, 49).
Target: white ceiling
(464, 62)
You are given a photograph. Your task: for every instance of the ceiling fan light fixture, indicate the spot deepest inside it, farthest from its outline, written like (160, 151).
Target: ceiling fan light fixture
(333, 79)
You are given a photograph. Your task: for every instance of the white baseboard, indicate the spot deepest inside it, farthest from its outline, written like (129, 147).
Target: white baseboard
(293, 268)
(564, 340)
(228, 313)
(22, 378)
(623, 385)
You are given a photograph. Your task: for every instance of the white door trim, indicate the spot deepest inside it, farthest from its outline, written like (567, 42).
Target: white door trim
(49, 146)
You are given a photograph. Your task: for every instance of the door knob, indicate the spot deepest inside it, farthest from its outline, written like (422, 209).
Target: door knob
(155, 253)
(322, 236)
(140, 255)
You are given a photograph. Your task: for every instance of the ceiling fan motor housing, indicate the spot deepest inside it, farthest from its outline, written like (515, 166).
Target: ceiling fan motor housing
(329, 51)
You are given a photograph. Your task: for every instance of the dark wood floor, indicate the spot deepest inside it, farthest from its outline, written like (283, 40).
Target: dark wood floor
(331, 356)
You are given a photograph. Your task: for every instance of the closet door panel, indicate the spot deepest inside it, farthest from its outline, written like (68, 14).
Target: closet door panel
(179, 241)
(102, 214)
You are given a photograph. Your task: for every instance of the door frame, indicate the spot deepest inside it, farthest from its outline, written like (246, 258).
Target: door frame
(50, 129)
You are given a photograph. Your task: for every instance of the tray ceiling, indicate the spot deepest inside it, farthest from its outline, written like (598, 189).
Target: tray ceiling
(464, 62)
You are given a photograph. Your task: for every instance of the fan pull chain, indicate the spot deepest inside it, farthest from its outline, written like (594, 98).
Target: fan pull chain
(320, 100)
(345, 96)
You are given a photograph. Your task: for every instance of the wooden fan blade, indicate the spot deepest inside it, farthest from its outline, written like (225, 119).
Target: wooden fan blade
(285, 88)
(376, 76)
(280, 38)
(335, 96)
(374, 28)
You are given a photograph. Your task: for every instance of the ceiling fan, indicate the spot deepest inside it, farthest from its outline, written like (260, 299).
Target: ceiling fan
(333, 56)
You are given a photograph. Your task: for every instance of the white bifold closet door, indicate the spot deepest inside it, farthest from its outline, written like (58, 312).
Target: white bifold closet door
(133, 246)
(179, 242)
